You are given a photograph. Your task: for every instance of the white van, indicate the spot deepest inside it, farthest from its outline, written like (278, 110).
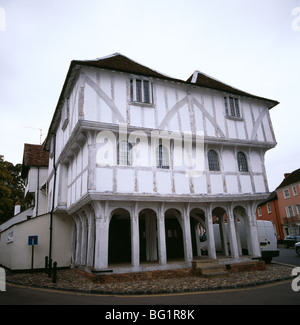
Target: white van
(266, 235)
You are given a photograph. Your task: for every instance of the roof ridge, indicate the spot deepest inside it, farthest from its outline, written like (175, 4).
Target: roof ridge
(103, 57)
(293, 177)
(110, 56)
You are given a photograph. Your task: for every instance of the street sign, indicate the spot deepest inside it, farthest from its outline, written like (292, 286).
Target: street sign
(32, 240)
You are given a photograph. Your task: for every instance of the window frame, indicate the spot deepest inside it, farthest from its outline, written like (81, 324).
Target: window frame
(141, 91)
(213, 161)
(294, 190)
(259, 211)
(232, 107)
(162, 157)
(122, 155)
(242, 162)
(65, 113)
(290, 211)
(285, 195)
(269, 207)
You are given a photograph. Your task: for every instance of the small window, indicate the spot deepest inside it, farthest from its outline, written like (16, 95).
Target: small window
(290, 211)
(162, 157)
(232, 106)
(242, 162)
(141, 91)
(286, 193)
(298, 209)
(10, 237)
(213, 161)
(259, 212)
(269, 207)
(294, 190)
(65, 114)
(52, 146)
(124, 153)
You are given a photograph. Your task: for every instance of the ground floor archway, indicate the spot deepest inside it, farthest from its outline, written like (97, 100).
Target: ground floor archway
(119, 242)
(174, 234)
(152, 235)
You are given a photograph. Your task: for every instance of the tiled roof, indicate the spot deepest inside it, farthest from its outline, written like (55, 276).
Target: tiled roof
(34, 155)
(119, 62)
(292, 178)
(204, 80)
(272, 197)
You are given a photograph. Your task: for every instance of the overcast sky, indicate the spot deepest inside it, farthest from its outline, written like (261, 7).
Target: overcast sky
(253, 45)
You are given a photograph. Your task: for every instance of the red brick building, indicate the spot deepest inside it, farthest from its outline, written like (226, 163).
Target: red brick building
(288, 193)
(268, 210)
(283, 206)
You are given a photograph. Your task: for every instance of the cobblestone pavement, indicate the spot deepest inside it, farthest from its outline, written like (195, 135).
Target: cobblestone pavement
(71, 280)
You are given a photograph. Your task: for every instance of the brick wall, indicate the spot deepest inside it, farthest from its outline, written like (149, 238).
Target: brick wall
(138, 276)
(167, 274)
(247, 266)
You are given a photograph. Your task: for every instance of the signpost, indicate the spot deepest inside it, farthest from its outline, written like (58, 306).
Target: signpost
(32, 241)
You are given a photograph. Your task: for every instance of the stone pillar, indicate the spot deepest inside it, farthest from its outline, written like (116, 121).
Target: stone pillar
(74, 239)
(162, 253)
(78, 240)
(238, 238)
(91, 236)
(101, 234)
(187, 240)
(151, 242)
(135, 236)
(211, 246)
(83, 238)
(252, 228)
(197, 236)
(223, 236)
(232, 233)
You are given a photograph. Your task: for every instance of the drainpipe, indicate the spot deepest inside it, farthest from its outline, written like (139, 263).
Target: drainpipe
(37, 192)
(277, 220)
(53, 198)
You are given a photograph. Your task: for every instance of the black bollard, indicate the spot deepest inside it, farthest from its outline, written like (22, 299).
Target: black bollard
(54, 272)
(50, 268)
(46, 264)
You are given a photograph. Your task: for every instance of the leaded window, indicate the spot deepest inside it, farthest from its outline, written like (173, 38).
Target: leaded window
(124, 153)
(213, 161)
(242, 162)
(232, 106)
(141, 91)
(162, 157)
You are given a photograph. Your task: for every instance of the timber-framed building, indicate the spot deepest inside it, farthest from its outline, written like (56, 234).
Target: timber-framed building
(144, 163)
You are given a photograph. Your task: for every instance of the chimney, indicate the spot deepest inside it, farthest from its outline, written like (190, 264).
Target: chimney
(286, 175)
(17, 208)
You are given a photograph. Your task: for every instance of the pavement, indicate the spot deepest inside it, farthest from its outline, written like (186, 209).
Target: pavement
(71, 280)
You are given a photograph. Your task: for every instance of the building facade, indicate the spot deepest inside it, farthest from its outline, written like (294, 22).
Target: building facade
(269, 210)
(35, 220)
(142, 162)
(288, 193)
(282, 207)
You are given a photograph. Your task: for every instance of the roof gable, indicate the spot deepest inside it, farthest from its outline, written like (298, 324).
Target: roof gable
(34, 156)
(203, 80)
(292, 178)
